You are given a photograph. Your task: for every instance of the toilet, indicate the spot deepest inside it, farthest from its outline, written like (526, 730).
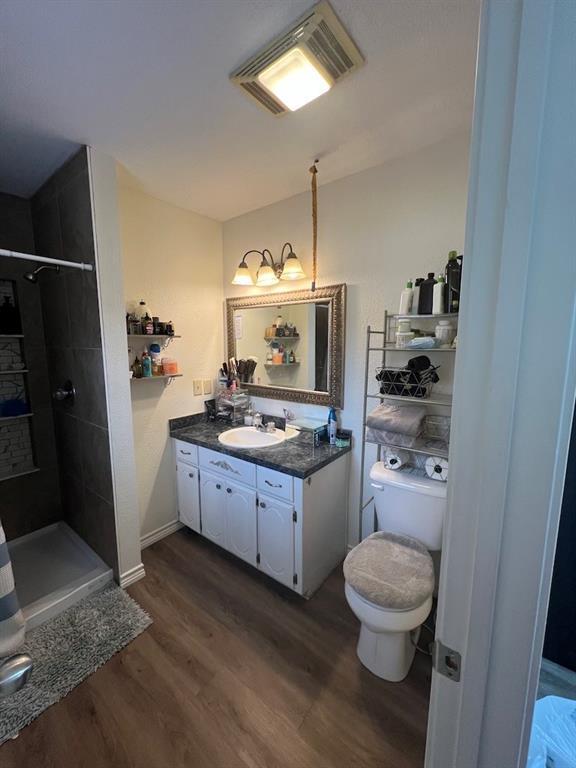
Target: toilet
(390, 575)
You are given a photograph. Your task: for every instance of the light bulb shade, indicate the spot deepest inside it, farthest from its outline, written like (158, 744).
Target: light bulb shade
(265, 276)
(295, 79)
(242, 275)
(292, 269)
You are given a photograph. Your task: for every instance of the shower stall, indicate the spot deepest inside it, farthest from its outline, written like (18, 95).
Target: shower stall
(56, 489)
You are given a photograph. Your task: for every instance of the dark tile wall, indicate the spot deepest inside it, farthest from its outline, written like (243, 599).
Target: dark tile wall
(31, 501)
(62, 217)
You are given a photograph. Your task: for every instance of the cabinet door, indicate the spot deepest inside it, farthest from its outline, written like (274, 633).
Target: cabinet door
(276, 539)
(213, 505)
(241, 517)
(188, 496)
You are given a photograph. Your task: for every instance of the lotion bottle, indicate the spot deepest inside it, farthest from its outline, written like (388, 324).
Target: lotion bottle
(438, 297)
(406, 299)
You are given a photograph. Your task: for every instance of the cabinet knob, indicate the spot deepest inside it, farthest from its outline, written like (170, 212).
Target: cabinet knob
(190, 474)
(263, 504)
(228, 490)
(218, 486)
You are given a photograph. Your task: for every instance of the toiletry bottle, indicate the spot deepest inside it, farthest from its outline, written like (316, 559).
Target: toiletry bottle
(137, 368)
(406, 299)
(426, 295)
(291, 357)
(146, 365)
(416, 295)
(332, 425)
(438, 297)
(453, 280)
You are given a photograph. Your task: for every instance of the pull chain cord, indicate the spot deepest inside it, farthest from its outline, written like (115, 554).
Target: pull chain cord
(314, 171)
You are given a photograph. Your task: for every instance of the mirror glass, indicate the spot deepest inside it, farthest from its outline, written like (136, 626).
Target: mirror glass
(289, 343)
(290, 346)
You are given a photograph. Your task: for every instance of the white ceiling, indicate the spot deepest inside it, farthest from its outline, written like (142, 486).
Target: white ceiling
(147, 82)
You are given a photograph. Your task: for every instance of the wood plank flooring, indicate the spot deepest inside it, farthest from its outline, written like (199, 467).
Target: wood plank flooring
(236, 672)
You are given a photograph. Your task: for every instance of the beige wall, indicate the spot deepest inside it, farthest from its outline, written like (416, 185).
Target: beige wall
(172, 259)
(377, 229)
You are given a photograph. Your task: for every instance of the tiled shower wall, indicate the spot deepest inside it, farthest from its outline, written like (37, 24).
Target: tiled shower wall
(62, 217)
(32, 500)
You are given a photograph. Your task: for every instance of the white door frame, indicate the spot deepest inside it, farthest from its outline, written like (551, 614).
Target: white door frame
(515, 385)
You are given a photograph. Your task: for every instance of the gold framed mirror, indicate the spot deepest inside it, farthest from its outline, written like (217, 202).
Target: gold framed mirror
(297, 340)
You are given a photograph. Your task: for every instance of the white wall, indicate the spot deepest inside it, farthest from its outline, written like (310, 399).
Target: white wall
(172, 259)
(376, 229)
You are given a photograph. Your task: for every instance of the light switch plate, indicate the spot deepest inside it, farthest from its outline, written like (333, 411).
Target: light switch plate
(207, 386)
(197, 386)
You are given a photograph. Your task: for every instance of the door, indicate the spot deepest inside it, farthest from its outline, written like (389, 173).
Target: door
(188, 495)
(514, 389)
(241, 530)
(276, 539)
(213, 504)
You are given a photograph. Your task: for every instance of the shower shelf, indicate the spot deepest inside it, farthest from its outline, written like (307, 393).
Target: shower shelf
(16, 370)
(11, 335)
(13, 418)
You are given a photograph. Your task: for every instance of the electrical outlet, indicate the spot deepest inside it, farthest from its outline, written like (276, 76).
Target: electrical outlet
(197, 386)
(207, 386)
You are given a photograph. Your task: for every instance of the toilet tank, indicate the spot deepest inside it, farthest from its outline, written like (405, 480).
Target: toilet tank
(409, 504)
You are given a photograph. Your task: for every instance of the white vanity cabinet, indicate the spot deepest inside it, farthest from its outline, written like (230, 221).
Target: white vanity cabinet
(188, 495)
(276, 538)
(292, 529)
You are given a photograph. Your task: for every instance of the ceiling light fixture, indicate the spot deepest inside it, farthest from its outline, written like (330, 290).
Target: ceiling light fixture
(301, 64)
(270, 272)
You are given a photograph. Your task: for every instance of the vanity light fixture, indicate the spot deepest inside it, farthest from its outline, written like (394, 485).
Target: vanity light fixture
(302, 63)
(270, 272)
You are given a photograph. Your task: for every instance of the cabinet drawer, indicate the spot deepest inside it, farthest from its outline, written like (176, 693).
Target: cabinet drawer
(275, 483)
(186, 452)
(228, 466)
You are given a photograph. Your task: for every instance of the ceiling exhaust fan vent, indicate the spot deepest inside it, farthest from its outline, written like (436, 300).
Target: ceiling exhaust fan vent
(321, 36)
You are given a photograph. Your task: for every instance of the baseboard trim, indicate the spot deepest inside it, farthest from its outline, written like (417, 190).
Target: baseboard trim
(159, 533)
(132, 576)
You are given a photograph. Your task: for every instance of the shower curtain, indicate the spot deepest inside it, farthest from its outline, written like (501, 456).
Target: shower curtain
(12, 624)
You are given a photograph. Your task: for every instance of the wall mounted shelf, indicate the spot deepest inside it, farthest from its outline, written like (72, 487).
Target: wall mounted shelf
(152, 336)
(11, 335)
(158, 378)
(280, 365)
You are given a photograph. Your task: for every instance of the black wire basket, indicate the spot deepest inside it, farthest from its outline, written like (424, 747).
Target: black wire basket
(417, 379)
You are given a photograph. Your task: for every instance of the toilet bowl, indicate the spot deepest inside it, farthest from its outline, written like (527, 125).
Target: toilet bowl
(390, 575)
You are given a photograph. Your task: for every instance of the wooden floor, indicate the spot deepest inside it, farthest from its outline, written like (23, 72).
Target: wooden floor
(236, 672)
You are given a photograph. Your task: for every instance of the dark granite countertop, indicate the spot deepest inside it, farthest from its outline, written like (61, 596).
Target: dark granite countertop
(298, 456)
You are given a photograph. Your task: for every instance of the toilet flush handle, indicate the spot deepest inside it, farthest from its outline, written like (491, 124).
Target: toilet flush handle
(377, 486)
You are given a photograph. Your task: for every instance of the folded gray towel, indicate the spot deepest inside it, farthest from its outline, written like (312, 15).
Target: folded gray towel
(384, 437)
(406, 419)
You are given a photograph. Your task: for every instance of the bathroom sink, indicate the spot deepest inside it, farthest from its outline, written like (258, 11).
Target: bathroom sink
(250, 437)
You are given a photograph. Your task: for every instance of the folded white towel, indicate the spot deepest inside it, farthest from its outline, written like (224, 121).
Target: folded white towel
(406, 419)
(390, 438)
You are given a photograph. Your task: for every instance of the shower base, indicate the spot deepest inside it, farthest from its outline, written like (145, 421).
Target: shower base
(53, 569)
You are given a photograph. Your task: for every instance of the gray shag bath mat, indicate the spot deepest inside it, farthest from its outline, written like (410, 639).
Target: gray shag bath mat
(68, 648)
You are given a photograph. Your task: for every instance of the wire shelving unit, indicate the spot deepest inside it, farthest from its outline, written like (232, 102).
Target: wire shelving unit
(379, 344)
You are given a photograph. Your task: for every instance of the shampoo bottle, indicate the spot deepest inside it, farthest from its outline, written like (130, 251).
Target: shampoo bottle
(406, 299)
(416, 295)
(426, 295)
(332, 426)
(438, 297)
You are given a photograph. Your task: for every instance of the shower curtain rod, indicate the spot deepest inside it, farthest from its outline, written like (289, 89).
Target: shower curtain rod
(46, 260)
